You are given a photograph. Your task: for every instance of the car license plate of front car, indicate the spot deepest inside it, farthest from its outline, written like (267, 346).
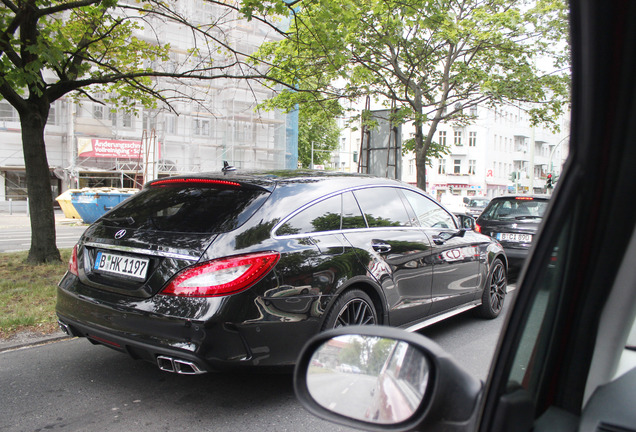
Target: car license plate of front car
(135, 268)
(513, 237)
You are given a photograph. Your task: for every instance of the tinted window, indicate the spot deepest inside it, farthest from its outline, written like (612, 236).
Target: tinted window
(322, 216)
(515, 208)
(351, 214)
(382, 207)
(189, 208)
(428, 213)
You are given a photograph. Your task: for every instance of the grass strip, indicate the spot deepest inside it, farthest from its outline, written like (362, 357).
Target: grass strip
(28, 293)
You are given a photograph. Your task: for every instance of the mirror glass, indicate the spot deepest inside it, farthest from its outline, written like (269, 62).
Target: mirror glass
(367, 378)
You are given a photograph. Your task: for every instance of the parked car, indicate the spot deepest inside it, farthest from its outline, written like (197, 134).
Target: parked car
(475, 205)
(514, 221)
(565, 360)
(210, 271)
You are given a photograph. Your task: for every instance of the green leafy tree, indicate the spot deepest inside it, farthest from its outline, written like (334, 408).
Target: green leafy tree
(51, 48)
(429, 60)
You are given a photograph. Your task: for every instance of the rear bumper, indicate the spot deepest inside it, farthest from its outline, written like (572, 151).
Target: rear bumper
(226, 338)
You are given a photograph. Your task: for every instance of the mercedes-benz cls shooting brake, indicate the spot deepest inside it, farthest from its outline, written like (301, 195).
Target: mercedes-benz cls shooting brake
(196, 273)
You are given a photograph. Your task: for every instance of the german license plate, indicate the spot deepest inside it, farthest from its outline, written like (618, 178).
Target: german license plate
(513, 237)
(135, 268)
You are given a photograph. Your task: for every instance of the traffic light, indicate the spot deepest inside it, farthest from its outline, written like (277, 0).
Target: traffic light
(548, 182)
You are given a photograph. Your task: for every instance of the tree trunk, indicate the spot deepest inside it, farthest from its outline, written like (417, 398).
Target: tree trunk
(420, 156)
(43, 247)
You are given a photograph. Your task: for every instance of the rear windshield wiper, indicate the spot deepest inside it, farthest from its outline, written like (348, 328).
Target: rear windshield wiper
(128, 220)
(528, 217)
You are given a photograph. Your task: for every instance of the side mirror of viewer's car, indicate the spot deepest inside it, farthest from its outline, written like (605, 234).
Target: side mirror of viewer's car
(382, 378)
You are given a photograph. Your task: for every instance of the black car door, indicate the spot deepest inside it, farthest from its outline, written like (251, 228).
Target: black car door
(557, 360)
(396, 253)
(455, 255)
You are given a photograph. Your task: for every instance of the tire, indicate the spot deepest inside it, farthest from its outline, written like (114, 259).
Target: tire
(492, 300)
(353, 307)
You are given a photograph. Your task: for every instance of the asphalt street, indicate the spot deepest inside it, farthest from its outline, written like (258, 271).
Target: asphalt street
(72, 385)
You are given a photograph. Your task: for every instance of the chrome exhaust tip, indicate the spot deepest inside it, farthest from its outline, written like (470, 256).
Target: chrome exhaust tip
(187, 368)
(65, 328)
(165, 364)
(182, 367)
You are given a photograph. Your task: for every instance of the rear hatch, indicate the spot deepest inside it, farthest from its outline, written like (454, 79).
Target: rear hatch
(139, 245)
(513, 220)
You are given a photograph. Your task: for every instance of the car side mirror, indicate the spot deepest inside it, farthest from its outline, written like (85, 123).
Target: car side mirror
(466, 221)
(383, 378)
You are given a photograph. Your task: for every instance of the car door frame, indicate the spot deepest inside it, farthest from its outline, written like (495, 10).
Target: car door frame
(588, 201)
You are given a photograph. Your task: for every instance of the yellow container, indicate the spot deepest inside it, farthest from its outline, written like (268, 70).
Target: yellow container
(67, 207)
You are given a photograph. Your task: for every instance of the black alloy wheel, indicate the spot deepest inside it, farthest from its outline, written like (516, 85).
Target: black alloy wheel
(492, 300)
(354, 307)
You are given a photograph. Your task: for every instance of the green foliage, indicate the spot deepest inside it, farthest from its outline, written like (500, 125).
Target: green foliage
(80, 46)
(430, 59)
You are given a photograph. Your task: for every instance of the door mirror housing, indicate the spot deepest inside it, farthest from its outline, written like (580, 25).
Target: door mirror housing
(382, 378)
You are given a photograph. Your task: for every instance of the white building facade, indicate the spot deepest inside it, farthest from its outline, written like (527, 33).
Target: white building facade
(499, 153)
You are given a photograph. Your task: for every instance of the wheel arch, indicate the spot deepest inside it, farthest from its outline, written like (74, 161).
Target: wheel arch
(369, 287)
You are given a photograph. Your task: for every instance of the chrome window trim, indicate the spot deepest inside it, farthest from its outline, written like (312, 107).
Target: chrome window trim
(345, 231)
(142, 251)
(326, 197)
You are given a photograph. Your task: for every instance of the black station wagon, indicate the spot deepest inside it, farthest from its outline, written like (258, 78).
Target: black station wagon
(197, 273)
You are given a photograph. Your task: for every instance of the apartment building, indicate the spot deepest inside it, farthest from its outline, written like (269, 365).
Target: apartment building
(91, 144)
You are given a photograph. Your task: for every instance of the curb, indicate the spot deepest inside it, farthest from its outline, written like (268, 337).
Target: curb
(31, 341)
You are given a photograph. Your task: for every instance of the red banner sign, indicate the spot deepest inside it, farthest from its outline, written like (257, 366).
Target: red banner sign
(107, 148)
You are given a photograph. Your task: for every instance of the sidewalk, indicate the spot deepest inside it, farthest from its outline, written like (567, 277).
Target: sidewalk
(23, 220)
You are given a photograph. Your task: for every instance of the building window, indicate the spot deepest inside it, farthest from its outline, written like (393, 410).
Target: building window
(473, 110)
(457, 166)
(411, 166)
(472, 139)
(441, 169)
(98, 111)
(458, 138)
(472, 164)
(7, 112)
(127, 120)
(442, 138)
(170, 122)
(201, 127)
(52, 118)
(113, 117)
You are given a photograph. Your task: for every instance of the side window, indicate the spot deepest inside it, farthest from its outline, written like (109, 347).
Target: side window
(382, 206)
(322, 216)
(351, 214)
(429, 213)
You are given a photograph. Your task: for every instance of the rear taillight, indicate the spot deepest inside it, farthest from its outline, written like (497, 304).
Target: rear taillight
(223, 276)
(477, 228)
(72, 262)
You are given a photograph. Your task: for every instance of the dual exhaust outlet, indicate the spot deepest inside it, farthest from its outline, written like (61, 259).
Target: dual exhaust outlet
(165, 363)
(183, 367)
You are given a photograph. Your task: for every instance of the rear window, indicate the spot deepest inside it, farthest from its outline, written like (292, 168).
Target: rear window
(188, 208)
(515, 209)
